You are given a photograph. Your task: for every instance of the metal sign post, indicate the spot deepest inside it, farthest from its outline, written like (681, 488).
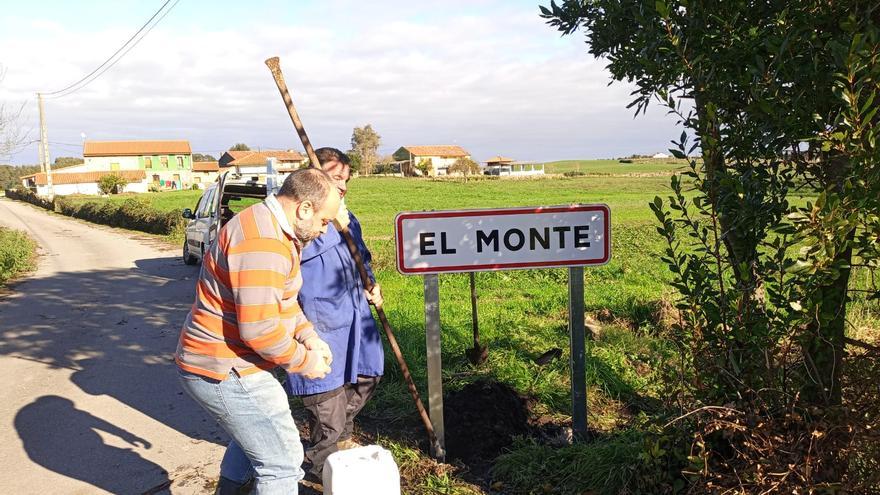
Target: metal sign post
(578, 350)
(432, 343)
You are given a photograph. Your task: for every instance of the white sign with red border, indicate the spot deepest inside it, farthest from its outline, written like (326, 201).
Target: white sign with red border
(502, 239)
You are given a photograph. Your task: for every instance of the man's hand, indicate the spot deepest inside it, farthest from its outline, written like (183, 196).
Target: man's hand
(321, 347)
(321, 367)
(341, 221)
(375, 296)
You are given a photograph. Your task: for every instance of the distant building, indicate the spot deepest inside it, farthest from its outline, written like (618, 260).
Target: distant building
(205, 173)
(661, 155)
(499, 165)
(64, 183)
(254, 162)
(438, 158)
(166, 164)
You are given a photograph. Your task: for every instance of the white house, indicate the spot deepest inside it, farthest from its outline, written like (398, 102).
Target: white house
(438, 158)
(499, 165)
(254, 162)
(64, 183)
(661, 155)
(205, 173)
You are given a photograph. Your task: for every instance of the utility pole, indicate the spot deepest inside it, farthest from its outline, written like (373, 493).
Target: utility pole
(46, 164)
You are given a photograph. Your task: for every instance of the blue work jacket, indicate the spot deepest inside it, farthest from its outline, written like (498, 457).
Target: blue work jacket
(332, 297)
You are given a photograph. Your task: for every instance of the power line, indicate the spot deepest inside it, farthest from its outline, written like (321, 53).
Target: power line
(127, 47)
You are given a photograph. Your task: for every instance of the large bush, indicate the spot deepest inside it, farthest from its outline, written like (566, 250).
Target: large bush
(16, 253)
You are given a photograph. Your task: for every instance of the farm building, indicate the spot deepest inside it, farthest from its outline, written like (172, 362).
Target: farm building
(64, 183)
(437, 158)
(254, 162)
(205, 173)
(499, 165)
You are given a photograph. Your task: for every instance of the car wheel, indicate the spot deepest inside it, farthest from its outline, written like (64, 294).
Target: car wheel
(188, 258)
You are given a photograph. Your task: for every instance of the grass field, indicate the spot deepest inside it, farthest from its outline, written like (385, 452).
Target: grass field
(639, 166)
(524, 313)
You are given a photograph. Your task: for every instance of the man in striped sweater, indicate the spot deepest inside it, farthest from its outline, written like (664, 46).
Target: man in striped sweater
(246, 321)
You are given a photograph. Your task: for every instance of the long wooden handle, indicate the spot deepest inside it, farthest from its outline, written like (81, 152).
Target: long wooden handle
(275, 66)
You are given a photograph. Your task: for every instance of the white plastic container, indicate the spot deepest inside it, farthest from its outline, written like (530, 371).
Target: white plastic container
(368, 470)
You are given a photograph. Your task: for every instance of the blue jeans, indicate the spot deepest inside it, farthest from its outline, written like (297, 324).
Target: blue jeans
(253, 410)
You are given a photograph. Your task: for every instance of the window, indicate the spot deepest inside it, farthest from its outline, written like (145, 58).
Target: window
(164, 161)
(148, 162)
(179, 162)
(197, 179)
(114, 166)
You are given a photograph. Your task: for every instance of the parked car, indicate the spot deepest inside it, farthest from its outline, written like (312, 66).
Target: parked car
(219, 203)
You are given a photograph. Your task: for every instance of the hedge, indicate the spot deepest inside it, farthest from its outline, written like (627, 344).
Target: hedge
(16, 253)
(133, 213)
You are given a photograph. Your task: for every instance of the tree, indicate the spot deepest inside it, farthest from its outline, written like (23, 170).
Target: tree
(239, 147)
(355, 161)
(425, 166)
(10, 175)
(751, 106)
(774, 95)
(464, 166)
(67, 161)
(198, 157)
(365, 144)
(111, 184)
(11, 135)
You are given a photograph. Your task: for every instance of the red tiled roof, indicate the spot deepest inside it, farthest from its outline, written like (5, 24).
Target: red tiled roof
(499, 159)
(87, 177)
(249, 158)
(206, 166)
(135, 148)
(443, 150)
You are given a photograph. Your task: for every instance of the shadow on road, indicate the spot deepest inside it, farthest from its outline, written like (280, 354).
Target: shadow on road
(55, 433)
(118, 330)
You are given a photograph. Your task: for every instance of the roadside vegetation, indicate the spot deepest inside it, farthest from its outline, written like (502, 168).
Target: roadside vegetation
(17, 254)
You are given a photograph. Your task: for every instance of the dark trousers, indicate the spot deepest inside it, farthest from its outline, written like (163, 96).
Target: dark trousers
(331, 417)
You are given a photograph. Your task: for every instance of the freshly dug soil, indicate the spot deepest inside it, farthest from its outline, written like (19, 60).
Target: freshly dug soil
(481, 420)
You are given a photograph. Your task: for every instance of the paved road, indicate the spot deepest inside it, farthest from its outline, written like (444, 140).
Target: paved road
(90, 401)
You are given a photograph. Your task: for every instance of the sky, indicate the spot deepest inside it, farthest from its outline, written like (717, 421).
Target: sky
(487, 75)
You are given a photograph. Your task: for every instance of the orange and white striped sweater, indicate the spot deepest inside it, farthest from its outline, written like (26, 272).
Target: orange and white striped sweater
(246, 316)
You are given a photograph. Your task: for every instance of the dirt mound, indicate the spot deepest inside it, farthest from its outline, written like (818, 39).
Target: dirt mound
(482, 418)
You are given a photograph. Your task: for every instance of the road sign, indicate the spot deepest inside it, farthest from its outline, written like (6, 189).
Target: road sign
(502, 239)
(429, 243)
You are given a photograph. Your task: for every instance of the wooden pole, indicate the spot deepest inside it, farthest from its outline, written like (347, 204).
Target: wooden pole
(275, 66)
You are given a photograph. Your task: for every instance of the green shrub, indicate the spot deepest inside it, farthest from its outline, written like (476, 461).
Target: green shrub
(574, 173)
(16, 253)
(134, 213)
(111, 184)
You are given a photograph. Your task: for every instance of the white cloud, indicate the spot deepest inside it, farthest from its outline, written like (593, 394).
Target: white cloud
(503, 83)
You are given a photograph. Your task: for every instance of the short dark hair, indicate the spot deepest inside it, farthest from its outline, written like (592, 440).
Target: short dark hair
(307, 184)
(330, 154)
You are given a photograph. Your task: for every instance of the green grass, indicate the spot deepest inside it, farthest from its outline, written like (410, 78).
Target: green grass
(17, 252)
(639, 166)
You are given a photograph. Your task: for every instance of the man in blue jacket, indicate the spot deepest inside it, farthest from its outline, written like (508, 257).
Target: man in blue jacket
(335, 301)
(333, 298)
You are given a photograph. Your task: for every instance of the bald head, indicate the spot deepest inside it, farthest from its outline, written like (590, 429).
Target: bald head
(307, 184)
